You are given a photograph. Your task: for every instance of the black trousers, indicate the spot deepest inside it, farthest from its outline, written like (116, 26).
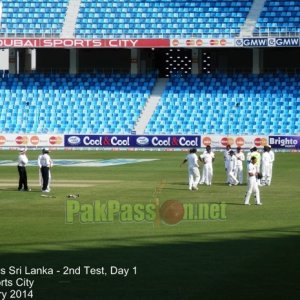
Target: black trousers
(22, 178)
(45, 176)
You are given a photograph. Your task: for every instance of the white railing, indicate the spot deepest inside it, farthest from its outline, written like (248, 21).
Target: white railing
(276, 32)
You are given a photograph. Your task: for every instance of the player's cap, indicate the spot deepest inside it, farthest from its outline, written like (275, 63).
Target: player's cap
(253, 149)
(23, 150)
(231, 152)
(269, 146)
(46, 150)
(238, 148)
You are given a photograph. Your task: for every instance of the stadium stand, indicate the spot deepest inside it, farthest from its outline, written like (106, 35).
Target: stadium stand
(99, 103)
(155, 18)
(39, 17)
(229, 104)
(72, 104)
(279, 17)
(224, 104)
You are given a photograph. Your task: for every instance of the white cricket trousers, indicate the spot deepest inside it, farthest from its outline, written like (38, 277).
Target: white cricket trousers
(265, 170)
(231, 177)
(207, 173)
(239, 174)
(252, 188)
(194, 177)
(271, 173)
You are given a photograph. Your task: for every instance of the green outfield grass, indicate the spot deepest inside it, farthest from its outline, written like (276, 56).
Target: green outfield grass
(251, 254)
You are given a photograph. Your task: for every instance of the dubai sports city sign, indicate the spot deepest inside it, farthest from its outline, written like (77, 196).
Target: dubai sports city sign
(82, 43)
(149, 43)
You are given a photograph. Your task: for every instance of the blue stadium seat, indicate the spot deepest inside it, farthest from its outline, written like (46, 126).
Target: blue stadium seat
(39, 17)
(101, 104)
(200, 114)
(82, 111)
(204, 18)
(279, 17)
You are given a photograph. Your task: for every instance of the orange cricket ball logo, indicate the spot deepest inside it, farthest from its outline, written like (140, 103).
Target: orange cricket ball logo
(171, 212)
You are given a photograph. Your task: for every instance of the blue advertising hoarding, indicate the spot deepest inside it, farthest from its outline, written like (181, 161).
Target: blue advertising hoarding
(284, 142)
(268, 42)
(132, 141)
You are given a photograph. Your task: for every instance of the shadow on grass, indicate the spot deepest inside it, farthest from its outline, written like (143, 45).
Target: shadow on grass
(179, 183)
(178, 189)
(250, 268)
(16, 190)
(213, 184)
(232, 203)
(226, 184)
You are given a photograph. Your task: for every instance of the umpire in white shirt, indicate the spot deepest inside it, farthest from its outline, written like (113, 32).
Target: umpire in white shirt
(22, 162)
(46, 163)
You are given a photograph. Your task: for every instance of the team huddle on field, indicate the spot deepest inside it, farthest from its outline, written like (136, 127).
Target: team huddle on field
(259, 168)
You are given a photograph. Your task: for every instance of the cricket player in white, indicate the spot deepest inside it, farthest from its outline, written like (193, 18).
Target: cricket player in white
(252, 182)
(272, 156)
(239, 165)
(258, 158)
(207, 158)
(193, 169)
(227, 161)
(249, 155)
(231, 169)
(255, 153)
(265, 166)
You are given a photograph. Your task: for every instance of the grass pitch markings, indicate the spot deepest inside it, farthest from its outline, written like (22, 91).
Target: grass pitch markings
(60, 183)
(84, 162)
